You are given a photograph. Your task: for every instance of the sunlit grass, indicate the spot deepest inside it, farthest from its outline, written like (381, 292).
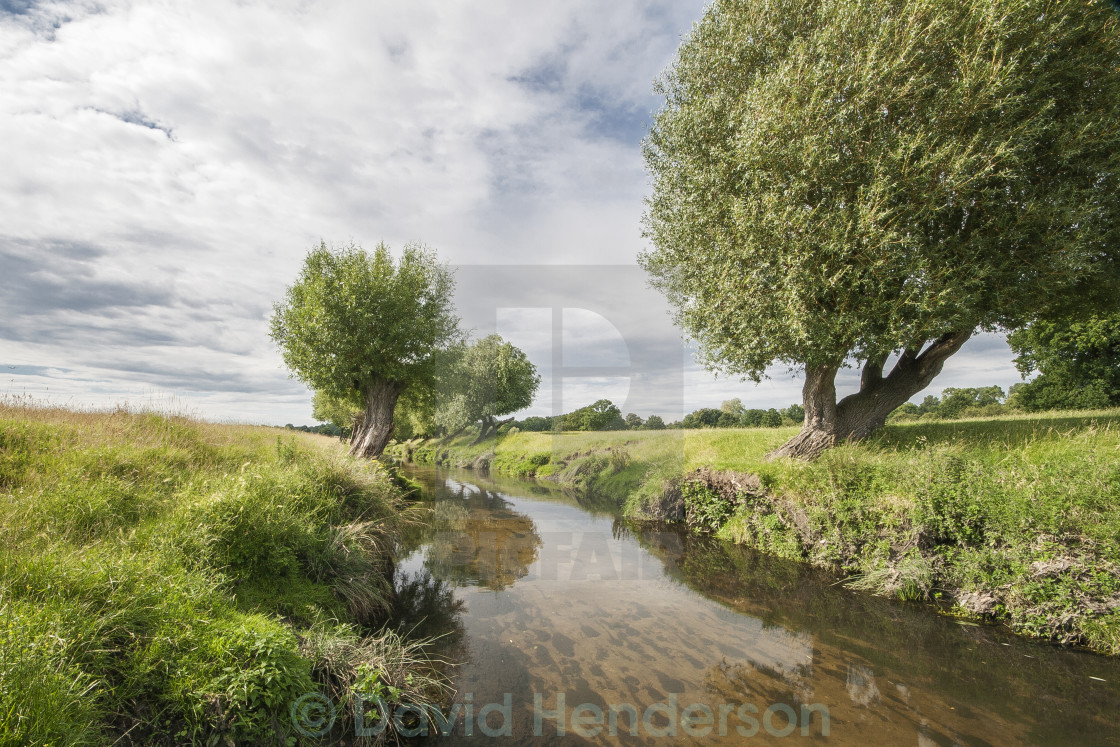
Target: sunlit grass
(158, 574)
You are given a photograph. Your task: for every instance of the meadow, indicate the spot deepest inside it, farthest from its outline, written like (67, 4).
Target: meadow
(169, 581)
(1014, 519)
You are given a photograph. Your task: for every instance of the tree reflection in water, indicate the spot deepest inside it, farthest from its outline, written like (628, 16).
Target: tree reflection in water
(670, 613)
(856, 638)
(479, 540)
(427, 607)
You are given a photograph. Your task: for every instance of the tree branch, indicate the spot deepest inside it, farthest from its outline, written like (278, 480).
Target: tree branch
(944, 346)
(872, 372)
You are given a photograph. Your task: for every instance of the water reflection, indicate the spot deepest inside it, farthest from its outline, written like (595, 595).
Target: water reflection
(426, 606)
(566, 601)
(475, 538)
(949, 682)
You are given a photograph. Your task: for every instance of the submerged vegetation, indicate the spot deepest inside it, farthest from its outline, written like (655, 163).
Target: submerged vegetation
(164, 580)
(1014, 519)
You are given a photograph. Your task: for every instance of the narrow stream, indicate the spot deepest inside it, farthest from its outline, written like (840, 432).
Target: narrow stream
(564, 614)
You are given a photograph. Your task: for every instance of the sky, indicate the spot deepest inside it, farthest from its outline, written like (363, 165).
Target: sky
(166, 167)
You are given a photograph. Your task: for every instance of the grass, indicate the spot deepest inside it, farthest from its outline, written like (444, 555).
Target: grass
(1015, 518)
(169, 581)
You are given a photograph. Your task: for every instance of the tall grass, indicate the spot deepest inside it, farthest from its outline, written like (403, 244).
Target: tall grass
(160, 576)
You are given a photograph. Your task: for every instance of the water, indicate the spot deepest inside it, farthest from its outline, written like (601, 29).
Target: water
(544, 598)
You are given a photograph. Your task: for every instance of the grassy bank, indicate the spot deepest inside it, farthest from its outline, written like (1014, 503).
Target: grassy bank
(167, 581)
(1014, 519)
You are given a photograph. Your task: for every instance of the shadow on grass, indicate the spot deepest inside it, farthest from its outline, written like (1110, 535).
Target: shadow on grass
(1009, 431)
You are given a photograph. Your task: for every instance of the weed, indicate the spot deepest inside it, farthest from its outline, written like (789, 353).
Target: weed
(705, 509)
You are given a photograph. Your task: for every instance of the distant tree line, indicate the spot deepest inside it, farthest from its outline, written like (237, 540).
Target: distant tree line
(1079, 365)
(604, 415)
(956, 403)
(326, 429)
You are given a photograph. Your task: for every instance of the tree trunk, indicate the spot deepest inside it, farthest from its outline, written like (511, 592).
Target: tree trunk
(857, 416)
(490, 427)
(819, 431)
(375, 426)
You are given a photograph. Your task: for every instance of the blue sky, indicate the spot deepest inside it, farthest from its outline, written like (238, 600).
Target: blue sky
(166, 166)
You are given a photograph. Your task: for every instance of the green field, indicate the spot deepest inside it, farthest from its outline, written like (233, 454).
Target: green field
(1014, 519)
(168, 581)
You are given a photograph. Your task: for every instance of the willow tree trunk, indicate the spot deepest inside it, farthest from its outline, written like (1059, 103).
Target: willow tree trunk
(374, 428)
(857, 416)
(489, 428)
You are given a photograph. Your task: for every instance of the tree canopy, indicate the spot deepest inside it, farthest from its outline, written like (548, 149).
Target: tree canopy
(486, 380)
(361, 328)
(602, 415)
(834, 182)
(1078, 361)
(342, 413)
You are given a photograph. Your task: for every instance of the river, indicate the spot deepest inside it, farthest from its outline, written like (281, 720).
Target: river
(575, 626)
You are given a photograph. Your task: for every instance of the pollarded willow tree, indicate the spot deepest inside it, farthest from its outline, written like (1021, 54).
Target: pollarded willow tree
(486, 380)
(837, 182)
(361, 328)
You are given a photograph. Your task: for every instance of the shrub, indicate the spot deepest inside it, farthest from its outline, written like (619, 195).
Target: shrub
(705, 509)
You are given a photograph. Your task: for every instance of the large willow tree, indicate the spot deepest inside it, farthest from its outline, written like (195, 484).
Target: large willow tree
(836, 182)
(361, 329)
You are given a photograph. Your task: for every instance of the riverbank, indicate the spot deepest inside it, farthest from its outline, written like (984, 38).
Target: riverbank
(169, 581)
(1013, 519)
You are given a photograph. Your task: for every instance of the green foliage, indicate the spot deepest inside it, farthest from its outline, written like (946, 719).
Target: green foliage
(910, 578)
(904, 412)
(339, 412)
(619, 458)
(734, 408)
(155, 573)
(950, 506)
(1079, 361)
(45, 694)
(815, 200)
(733, 415)
(705, 417)
(795, 412)
(539, 460)
(602, 415)
(415, 412)
(483, 381)
(705, 509)
(752, 418)
(323, 429)
(653, 423)
(1046, 393)
(352, 319)
(955, 403)
(263, 673)
(346, 664)
(535, 423)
